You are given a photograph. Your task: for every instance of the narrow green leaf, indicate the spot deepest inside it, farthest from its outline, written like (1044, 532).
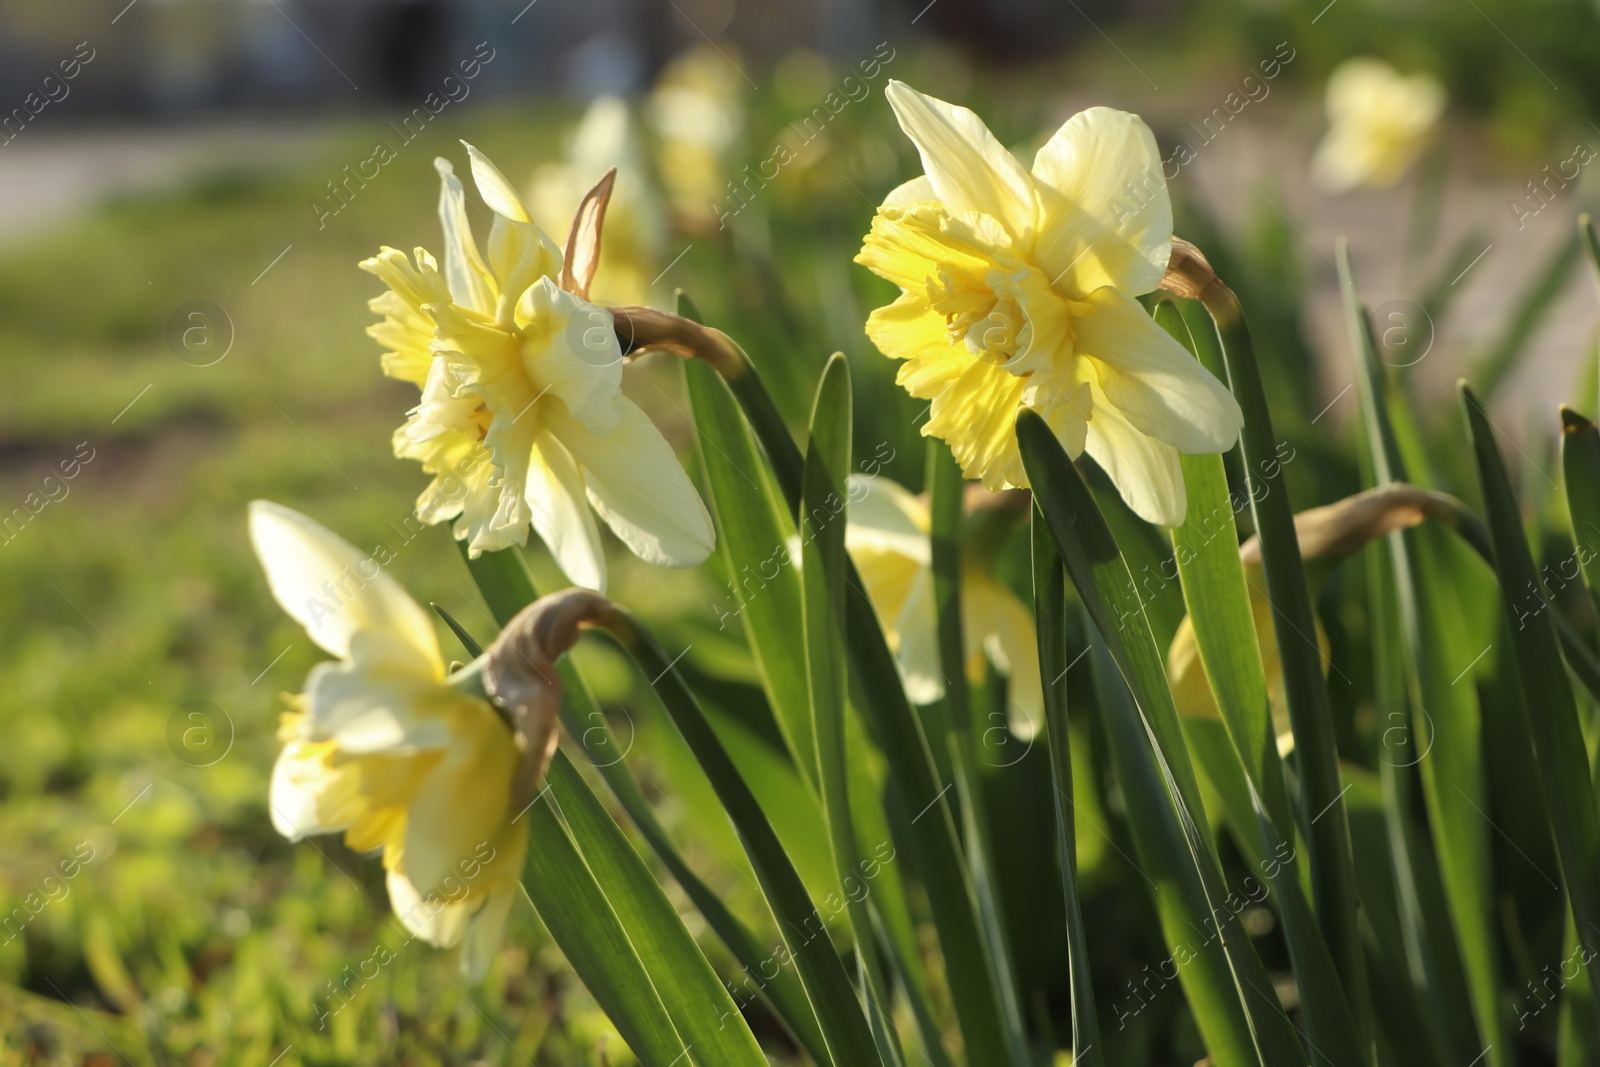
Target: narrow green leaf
(928, 824)
(1206, 553)
(578, 915)
(1446, 720)
(947, 489)
(1050, 621)
(1320, 811)
(827, 465)
(1158, 780)
(1548, 702)
(702, 1011)
(755, 535)
(800, 924)
(468, 642)
(754, 543)
(1580, 465)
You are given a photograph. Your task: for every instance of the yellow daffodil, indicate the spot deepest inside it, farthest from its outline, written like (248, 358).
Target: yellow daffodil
(381, 748)
(888, 539)
(1379, 123)
(1018, 289)
(522, 418)
(635, 232)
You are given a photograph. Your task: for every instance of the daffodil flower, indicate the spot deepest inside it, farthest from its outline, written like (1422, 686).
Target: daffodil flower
(887, 537)
(522, 418)
(1379, 123)
(1018, 289)
(380, 747)
(635, 232)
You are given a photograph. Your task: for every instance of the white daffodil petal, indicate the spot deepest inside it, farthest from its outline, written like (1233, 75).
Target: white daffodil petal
(497, 192)
(470, 283)
(885, 517)
(992, 613)
(916, 639)
(1105, 217)
(459, 809)
(561, 517)
(437, 920)
(486, 930)
(967, 167)
(1153, 380)
(911, 192)
(1146, 471)
(571, 346)
(369, 705)
(641, 491)
(298, 784)
(332, 588)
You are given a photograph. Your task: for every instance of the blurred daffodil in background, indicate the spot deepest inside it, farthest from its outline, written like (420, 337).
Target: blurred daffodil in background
(1018, 287)
(522, 418)
(697, 111)
(636, 227)
(1380, 122)
(382, 748)
(888, 538)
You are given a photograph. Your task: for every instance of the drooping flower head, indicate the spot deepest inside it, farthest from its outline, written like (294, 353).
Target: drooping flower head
(381, 748)
(1380, 121)
(1017, 288)
(887, 537)
(522, 418)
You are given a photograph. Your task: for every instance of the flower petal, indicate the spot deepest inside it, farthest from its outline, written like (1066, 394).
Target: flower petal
(1105, 215)
(300, 778)
(1145, 471)
(967, 167)
(485, 933)
(501, 196)
(461, 807)
(639, 488)
(470, 283)
(436, 920)
(1162, 389)
(335, 590)
(561, 515)
(375, 702)
(998, 628)
(915, 637)
(976, 416)
(885, 517)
